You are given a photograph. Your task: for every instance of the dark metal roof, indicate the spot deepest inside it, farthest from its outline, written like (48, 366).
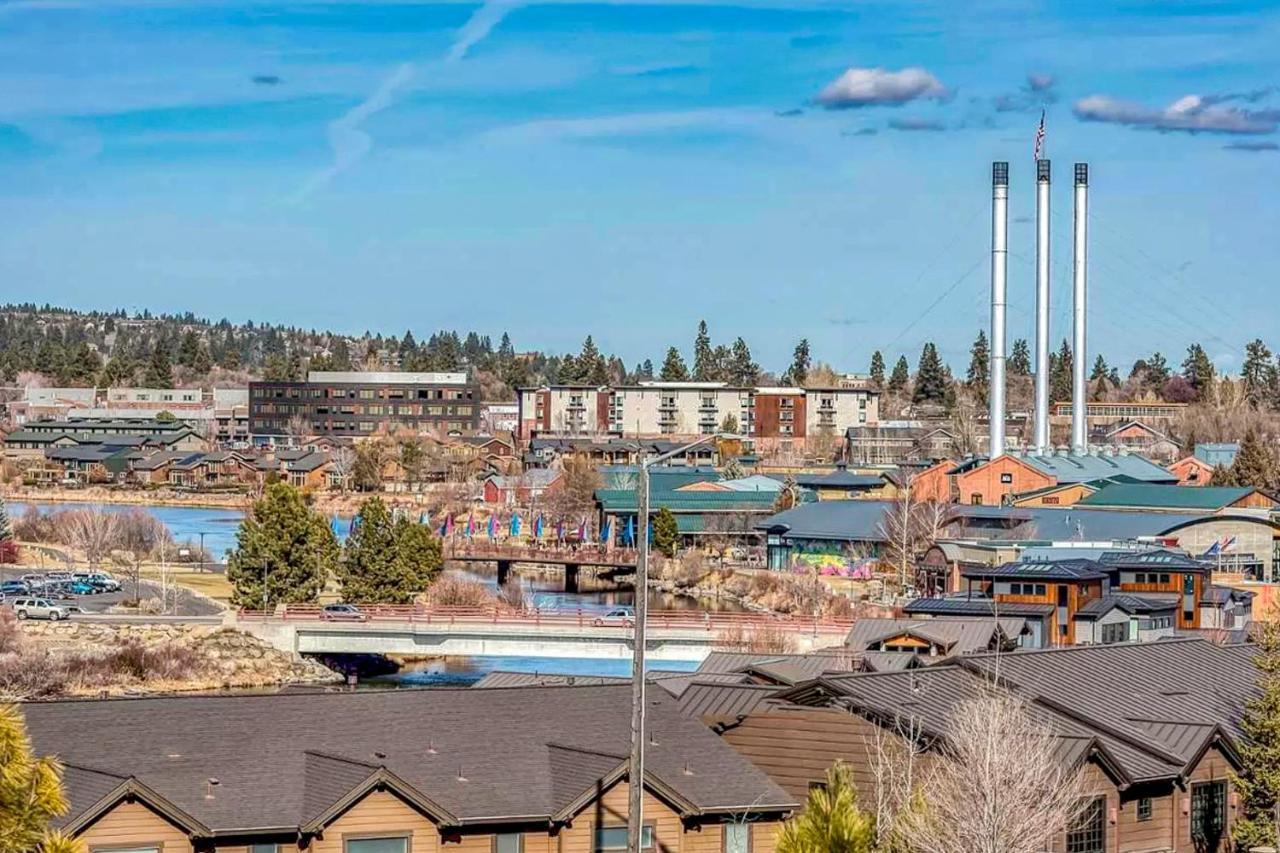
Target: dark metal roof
(1129, 602)
(837, 521)
(1068, 570)
(967, 606)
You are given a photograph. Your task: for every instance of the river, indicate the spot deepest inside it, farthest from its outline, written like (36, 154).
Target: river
(544, 590)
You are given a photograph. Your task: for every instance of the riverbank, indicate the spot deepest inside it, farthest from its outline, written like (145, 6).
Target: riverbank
(43, 660)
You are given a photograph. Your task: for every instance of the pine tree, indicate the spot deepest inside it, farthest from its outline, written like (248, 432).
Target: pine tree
(798, 373)
(673, 368)
(729, 424)
(159, 368)
(31, 793)
(1197, 369)
(386, 560)
(1157, 373)
(645, 371)
(188, 349)
(8, 547)
(203, 363)
(666, 532)
(1060, 372)
(1020, 358)
(1258, 373)
(1100, 369)
(1255, 463)
(284, 543)
(877, 369)
(831, 821)
(591, 365)
(1258, 779)
(931, 377)
(742, 369)
(703, 356)
(901, 375)
(978, 378)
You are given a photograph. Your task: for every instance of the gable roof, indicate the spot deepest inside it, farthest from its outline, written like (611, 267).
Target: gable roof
(470, 755)
(1082, 468)
(955, 636)
(840, 521)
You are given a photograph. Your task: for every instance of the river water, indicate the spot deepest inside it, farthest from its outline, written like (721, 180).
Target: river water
(544, 590)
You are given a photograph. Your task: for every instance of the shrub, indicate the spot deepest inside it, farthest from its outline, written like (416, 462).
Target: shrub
(452, 591)
(763, 639)
(512, 593)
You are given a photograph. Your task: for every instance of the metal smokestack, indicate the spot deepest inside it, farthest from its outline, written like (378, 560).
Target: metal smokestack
(999, 286)
(1079, 350)
(1042, 307)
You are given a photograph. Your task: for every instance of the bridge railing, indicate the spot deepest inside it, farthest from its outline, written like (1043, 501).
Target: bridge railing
(419, 614)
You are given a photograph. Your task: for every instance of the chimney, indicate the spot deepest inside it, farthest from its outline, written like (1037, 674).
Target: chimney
(1079, 349)
(999, 286)
(1041, 435)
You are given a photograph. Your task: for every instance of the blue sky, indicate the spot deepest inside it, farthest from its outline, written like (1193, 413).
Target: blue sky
(783, 169)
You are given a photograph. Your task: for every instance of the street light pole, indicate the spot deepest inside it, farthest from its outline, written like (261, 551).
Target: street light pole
(635, 776)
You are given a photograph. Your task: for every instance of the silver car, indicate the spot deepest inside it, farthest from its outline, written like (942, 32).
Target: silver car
(39, 608)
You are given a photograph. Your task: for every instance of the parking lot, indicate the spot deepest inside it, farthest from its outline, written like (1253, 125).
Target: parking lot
(86, 592)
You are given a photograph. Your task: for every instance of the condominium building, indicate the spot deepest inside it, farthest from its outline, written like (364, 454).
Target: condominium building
(782, 415)
(350, 403)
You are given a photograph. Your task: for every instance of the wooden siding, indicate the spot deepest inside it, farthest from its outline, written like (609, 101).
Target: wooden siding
(135, 825)
(381, 813)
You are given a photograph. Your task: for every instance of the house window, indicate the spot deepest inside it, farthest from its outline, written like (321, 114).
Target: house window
(737, 838)
(1090, 833)
(1208, 814)
(508, 842)
(615, 838)
(264, 848)
(1144, 808)
(384, 844)
(1115, 633)
(1006, 478)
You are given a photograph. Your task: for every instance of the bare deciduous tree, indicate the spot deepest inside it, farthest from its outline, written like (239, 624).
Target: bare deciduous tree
(92, 531)
(997, 786)
(342, 461)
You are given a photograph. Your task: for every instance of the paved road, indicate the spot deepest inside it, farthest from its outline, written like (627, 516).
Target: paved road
(187, 604)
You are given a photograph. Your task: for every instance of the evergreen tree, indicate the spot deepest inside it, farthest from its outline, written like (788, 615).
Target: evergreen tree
(877, 369)
(728, 425)
(341, 354)
(1258, 373)
(931, 377)
(1060, 364)
(1197, 369)
(188, 349)
(798, 373)
(673, 368)
(203, 363)
(742, 369)
(1258, 781)
(591, 365)
(666, 532)
(978, 378)
(31, 795)
(8, 547)
(1223, 475)
(387, 560)
(703, 356)
(646, 370)
(1100, 369)
(1158, 373)
(6, 526)
(831, 821)
(1020, 358)
(901, 375)
(159, 368)
(284, 543)
(1255, 463)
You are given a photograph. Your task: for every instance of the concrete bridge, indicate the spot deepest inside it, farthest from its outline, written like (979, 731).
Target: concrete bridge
(613, 561)
(671, 635)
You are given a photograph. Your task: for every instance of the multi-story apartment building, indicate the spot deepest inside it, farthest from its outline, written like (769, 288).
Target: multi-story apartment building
(771, 415)
(355, 404)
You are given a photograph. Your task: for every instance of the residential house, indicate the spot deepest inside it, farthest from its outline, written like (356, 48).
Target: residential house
(1217, 454)
(1153, 728)
(935, 639)
(218, 470)
(520, 489)
(1136, 437)
(533, 770)
(893, 442)
(840, 483)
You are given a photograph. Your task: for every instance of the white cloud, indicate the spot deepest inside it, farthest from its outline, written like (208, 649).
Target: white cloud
(865, 87)
(625, 124)
(1188, 114)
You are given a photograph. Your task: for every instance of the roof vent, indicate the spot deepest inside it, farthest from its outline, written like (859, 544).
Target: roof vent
(462, 778)
(379, 755)
(431, 746)
(686, 770)
(210, 784)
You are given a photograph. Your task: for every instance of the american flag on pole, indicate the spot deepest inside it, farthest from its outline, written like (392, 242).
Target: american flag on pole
(1040, 138)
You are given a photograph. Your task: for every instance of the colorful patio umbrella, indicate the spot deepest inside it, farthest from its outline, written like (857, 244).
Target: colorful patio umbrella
(471, 525)
(606, 531)
(493, 527)
(582, 530)
(515, 524)
(537, 528)
(629, 533)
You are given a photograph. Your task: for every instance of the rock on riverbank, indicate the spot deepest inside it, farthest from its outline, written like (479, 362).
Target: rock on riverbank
(216, 657)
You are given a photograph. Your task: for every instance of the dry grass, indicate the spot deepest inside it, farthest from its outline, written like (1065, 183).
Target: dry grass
(764, 639)
(450, 591)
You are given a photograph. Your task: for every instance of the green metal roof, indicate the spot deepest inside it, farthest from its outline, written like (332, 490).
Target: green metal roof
(1146, 496)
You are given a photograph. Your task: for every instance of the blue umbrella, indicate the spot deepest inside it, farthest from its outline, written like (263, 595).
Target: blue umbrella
(606, 532)
(629, 534)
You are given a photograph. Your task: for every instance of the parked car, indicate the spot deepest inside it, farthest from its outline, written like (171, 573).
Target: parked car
(39, 608)
(342, 612)
(74, 587)
(59, 576)
(9, 588)
(616, 616)
(101, 581)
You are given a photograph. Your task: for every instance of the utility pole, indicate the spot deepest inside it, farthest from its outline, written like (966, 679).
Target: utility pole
(635, 802)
